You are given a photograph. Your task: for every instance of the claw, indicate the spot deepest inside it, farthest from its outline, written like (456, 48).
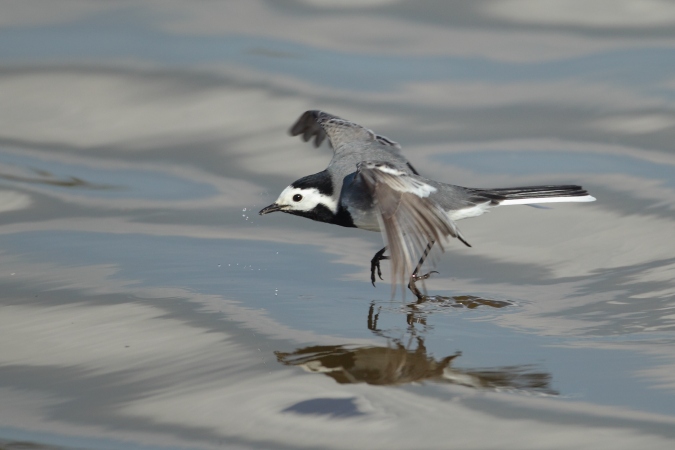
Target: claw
(416, 277)
(375, 265)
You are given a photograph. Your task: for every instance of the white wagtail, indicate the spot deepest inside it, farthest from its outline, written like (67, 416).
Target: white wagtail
(370, 185)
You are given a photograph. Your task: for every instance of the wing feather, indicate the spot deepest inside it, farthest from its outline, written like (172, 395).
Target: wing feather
(409, 218)
(319, 125)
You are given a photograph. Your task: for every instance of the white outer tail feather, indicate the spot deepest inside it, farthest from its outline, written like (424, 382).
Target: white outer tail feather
(535, 200)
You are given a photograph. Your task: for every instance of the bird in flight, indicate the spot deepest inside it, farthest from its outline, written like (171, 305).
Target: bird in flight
(369, 184)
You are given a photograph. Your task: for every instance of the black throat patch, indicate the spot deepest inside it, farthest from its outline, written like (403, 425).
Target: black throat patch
(321, 213)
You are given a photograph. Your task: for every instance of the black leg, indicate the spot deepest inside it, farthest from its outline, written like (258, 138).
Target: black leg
(419, 264)
(372, 317)
(414, 277)
(375, 264)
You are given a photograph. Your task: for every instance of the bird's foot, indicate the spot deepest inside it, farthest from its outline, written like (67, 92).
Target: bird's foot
(414, 277)
(375, 265)
(413, 287)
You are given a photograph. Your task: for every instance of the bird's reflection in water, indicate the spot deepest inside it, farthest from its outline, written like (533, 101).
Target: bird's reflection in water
(416, 312)
(398, 364)
(466, 301)
(395, 365)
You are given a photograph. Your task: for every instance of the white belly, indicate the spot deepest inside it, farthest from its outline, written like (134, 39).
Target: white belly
(465, 213)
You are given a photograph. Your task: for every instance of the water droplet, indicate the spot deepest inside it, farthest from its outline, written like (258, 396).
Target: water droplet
(244, 209)
(218, 265)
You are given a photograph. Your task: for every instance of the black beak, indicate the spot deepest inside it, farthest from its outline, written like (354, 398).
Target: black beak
(268, 209)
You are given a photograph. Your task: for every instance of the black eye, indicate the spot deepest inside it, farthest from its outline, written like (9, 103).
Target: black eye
(297, 197)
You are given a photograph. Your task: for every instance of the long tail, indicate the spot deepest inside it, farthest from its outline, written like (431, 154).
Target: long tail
(537, 194)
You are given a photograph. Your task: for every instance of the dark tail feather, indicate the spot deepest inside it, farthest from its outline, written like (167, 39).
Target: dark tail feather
(536, 194)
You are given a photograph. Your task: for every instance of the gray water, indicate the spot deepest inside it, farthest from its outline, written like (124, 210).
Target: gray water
(145, 304)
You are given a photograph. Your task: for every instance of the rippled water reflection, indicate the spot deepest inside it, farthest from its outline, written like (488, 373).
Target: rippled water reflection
(145, 303)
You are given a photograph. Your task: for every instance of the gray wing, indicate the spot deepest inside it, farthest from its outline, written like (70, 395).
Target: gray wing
(319, 125)
(408, 217)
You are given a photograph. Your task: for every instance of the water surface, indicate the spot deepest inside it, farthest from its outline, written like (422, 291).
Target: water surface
(145, 304)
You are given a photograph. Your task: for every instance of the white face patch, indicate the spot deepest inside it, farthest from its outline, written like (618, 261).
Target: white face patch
(297, 199)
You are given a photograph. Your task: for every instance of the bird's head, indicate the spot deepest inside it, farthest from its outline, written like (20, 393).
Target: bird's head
(310, 197)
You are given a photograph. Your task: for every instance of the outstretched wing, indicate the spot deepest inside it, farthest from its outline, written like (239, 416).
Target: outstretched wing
(408, 217)
(319, 125)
